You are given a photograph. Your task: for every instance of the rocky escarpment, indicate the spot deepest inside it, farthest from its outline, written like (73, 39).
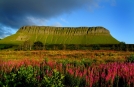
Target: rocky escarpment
(64, 30)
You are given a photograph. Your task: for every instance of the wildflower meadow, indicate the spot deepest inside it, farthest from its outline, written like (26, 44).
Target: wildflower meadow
(90, 71)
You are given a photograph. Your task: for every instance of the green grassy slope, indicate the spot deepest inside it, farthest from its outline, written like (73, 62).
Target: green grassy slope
(61, 35)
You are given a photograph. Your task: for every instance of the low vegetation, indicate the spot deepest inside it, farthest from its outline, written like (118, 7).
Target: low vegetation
(50, 73)
(131, 59)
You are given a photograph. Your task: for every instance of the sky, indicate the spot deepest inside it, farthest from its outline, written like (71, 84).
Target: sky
(115, 15)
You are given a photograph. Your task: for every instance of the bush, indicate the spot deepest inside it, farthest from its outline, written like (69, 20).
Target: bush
(96, 47)
(38, 45)
(131, 59)
(54, 81)
(122, 46)
(71, 81)
(86, 62)
(31, 77)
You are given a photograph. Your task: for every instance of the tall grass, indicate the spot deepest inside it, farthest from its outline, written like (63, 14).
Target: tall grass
(67, 74)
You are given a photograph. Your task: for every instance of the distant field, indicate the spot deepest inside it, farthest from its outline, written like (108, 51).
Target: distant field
(59, 55)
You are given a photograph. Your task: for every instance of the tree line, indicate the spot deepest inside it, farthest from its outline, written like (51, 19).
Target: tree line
(38, 45)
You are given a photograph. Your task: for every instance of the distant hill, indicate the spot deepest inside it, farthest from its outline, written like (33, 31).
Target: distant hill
(61, 35)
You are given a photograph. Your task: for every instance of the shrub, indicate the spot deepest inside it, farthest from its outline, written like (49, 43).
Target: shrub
(122, 46)
(86, 62)
(72, 81)
(31, 77)
(38, 45)
(54, 81)
(131, 59)
(96, 47)
(23, 77)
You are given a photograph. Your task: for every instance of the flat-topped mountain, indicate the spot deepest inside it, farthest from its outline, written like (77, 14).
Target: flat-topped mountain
(62, 35)
(63, 30)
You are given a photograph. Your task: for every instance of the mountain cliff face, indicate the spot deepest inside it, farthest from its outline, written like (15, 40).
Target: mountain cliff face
(64, 30)
(62, 35)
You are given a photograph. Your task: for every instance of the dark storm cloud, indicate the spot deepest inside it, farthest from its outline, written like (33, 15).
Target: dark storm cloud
(16, 13)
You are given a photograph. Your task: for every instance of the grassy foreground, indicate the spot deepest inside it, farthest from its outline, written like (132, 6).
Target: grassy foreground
(66, 69)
